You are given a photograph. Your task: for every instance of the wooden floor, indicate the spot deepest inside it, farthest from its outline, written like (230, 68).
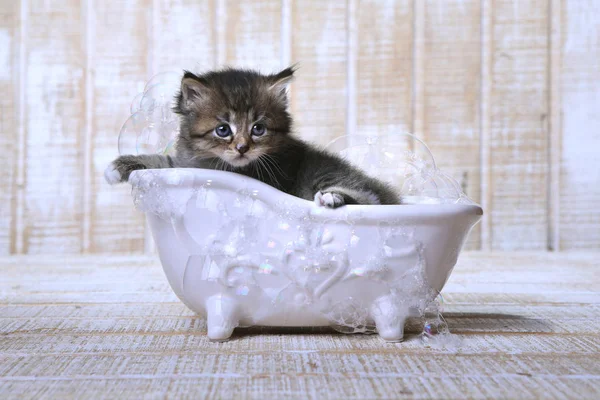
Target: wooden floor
(527, 326)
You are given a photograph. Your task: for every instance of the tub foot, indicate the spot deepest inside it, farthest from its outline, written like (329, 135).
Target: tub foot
(389, 318)
(221, 317)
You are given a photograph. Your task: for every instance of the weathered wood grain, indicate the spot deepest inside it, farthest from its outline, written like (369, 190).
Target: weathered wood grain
(183, 35)
(9, 121)
(214, 362)
(319, 44)
(120, 62)
(54, 120)
(518, 157)
(504, 91)
(579, 223)
(451, 49)
(308, 385)
(251, 32)
(485, 225)
(475, 343)
(384, 66)
(514, 338)
(554, 122)
(464, 320)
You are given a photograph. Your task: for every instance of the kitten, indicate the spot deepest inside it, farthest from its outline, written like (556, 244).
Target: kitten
(237, 120)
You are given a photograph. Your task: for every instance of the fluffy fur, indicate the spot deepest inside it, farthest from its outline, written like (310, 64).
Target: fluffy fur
(237, 120)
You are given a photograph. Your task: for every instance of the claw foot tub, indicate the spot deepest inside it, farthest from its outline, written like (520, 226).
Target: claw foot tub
(243, 253)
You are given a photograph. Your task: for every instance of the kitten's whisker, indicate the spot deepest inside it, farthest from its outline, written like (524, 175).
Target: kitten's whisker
(272, 166)
(194, 159)
(282, 174)
(269, 170)
(271, 175)
(256, 171)
(274, 163)
(225, 166)
(257, 166)
(264, 171)
(260, 172)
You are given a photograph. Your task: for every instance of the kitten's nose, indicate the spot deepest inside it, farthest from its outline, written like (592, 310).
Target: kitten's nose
(242, 147)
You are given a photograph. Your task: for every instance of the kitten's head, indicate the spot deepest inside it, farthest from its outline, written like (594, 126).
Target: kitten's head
(236, 115)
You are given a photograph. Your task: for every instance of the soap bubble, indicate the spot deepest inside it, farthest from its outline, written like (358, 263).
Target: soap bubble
(169, 79)
(435, 332)
(349, 316)
(404, 162)
(135, 104)
(152, 127)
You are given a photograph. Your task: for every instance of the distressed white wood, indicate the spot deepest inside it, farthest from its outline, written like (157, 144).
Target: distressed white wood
(351, 60)
(526, 326)
(519, 130)
(319, 44)
(87, 145)
(9, 121)
(580, 105)
(120, 73)
(418, 107)
(554, 124)
(485, 123)
(19, 189)
(252, 34)
(183, 35)
(365, 66)
(286, 33)
(54, 121)
(220, 30)
(384, 66)
(450, 92)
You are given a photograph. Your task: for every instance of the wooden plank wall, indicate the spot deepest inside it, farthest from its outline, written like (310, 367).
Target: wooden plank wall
(53, 123)
(505, 92)
(518, 115)
(578, 142)
(118, 50)
(448, 111)
(10, 75)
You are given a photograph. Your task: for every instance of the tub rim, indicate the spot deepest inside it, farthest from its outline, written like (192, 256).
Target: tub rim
(188, 177)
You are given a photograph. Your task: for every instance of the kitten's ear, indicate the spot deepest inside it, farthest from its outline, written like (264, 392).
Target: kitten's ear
(279, 83)
(193, 89)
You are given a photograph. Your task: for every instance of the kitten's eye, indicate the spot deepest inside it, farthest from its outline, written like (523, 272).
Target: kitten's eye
(258, 129)
(223, 130)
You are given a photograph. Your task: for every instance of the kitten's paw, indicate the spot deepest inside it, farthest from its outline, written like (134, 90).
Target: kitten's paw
(120, 169)
(329, 199)
(112, 174)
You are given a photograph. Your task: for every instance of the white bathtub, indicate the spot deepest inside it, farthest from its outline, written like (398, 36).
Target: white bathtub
(243, 253)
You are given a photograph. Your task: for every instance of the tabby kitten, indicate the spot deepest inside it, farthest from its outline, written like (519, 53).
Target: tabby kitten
(237, 120)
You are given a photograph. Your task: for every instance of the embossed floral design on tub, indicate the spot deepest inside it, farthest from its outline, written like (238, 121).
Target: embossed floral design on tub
(243, 253)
